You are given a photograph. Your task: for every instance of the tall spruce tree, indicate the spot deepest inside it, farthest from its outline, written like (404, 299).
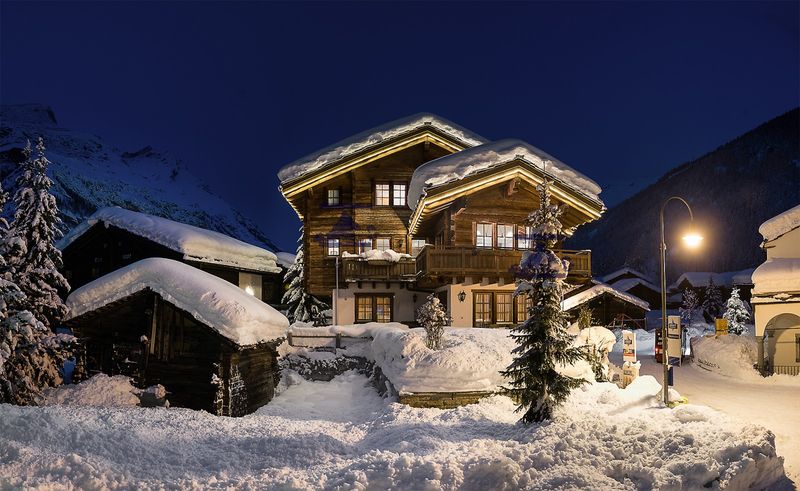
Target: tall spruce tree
(301, 306)
(30, 354)
(33, 257)
(736, 313)
(712, 301)
(543, 343)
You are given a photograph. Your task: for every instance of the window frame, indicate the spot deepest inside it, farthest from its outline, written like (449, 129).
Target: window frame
(509, 311)
(395, 197)
(362, 241)
(510, 246)
(424, 243)
(479, 226)
(373, 304)
(525, 235)
(388, 243)
(338, 196)
(328, 247)
(388, 193)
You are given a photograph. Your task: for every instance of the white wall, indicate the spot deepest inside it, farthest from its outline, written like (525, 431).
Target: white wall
(461, 312)
(787, 245)
(404, 305)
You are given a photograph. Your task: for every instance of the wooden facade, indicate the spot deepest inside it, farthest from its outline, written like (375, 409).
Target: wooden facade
(154, 342)
(103, 249)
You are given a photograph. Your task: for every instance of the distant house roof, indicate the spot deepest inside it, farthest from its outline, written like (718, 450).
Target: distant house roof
(457, 166)
(777, 276)
(780, 224)
(626, 284)
(375, 137)
(698, 279)
(623, 271)
(216, 303)
(583, 296)
(195, 243)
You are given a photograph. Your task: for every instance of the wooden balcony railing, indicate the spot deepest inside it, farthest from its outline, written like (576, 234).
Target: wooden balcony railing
(441, 261)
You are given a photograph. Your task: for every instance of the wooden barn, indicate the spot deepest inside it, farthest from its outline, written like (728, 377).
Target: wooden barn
(160, 321)
(608, 304)
(114, 237)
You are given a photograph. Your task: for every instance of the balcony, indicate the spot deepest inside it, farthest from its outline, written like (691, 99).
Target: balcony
(434, 262)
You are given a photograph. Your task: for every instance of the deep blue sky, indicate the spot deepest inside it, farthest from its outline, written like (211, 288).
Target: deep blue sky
(620, 91)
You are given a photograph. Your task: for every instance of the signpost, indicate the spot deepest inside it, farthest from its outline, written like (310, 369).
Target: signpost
(722, 327)
(675, 340)
(628, 346)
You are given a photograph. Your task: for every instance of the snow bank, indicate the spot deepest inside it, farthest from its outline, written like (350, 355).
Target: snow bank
(102, 390)
(735, 357)
(470, 359)
(196, 244)
(471, 161)
(341, 435)
(780, 275)
(365, 330)
(220, 305)
(373, 137)
(780, 224)
(580, 298)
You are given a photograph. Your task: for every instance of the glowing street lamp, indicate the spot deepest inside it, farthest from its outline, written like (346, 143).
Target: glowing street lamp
(692, 239)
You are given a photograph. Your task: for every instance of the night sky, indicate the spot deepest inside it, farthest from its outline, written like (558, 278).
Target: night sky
(621, 91)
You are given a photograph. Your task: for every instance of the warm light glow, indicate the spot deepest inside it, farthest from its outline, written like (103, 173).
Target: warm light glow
(249, 290)
(692, 239)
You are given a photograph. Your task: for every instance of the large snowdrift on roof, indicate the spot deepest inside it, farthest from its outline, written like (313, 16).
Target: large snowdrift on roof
(628, 283)
(221, 305)
(780, 224)
(781, 275)
(578, 299)
(375, 136)
(467, 162)
(196, 244)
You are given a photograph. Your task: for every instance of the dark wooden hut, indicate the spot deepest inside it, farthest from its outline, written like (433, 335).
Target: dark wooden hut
(607, 304)
(159, 321)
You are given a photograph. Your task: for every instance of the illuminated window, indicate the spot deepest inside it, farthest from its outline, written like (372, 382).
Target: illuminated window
(373, 308)
(523, 304)
(364, 245)
(363, 309)
(502, 308)
(399, 195)
(382, 195)
(483, 308)
(483, 235)
(251, 283)
(383, 309)
(524, 237)
(383, 244)
(334, 197)
(505, 236)
(417, 245)
(333, 247)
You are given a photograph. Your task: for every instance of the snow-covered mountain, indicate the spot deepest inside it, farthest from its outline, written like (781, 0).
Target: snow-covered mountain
(732, 190)
(89, 174)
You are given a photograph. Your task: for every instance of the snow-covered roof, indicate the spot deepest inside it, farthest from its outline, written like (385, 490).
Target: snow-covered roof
(699, 279)
(218, 304)
(623, 271)
(195, 243)
(285, 259)
(626, 284)
(598, 289)
(780, 275)
(780, 224)
(462, 164)
(373, 137)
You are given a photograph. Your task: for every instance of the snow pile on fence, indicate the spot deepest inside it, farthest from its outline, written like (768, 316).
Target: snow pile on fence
(471, 161)
(776, 276)
(342, 435)
(218, 304)
(196, 244)
(780, 224)
(375, 255)
(372, 137)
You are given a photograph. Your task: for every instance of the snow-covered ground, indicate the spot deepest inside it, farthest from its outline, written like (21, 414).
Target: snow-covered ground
(342, 435)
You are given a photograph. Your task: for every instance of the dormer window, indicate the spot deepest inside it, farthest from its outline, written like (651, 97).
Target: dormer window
(484, 235)
(382, 192)
(334, 197)
(505, 236)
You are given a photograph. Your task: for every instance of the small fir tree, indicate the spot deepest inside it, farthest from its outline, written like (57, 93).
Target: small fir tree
(585, 317)
(712, 301)
(33, 259)
(30, 354)
(689, 304)
(543, 343)
(736, 313)
(432, 316)
(302, 307)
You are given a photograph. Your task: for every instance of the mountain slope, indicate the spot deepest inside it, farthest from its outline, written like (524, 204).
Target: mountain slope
(731, 190)
(89, 174)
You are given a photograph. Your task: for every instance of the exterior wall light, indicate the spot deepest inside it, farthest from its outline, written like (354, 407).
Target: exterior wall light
(462, 295)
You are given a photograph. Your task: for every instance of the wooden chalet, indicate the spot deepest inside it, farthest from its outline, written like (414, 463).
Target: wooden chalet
(453, 206)
(609, 306)
(114, 237)
(159, 321)
(636, 283)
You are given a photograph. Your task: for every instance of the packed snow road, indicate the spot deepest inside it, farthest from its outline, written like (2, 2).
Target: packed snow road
(342, 435)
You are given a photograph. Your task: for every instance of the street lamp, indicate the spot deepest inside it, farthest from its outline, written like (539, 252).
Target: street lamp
(692, 239)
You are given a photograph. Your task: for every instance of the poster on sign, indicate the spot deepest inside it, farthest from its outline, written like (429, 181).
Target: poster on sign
(674, 338)
(629, 346)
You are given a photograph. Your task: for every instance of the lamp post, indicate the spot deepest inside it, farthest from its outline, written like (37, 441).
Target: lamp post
(692, 239)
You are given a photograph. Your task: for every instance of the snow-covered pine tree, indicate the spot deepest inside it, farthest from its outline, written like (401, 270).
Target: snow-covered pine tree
(689, 304)
(712, 301)
(33, 258)
(30, 354)
(543, 343)
(736, 314)
(433, 318)
(585, 316)
(301, 307)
